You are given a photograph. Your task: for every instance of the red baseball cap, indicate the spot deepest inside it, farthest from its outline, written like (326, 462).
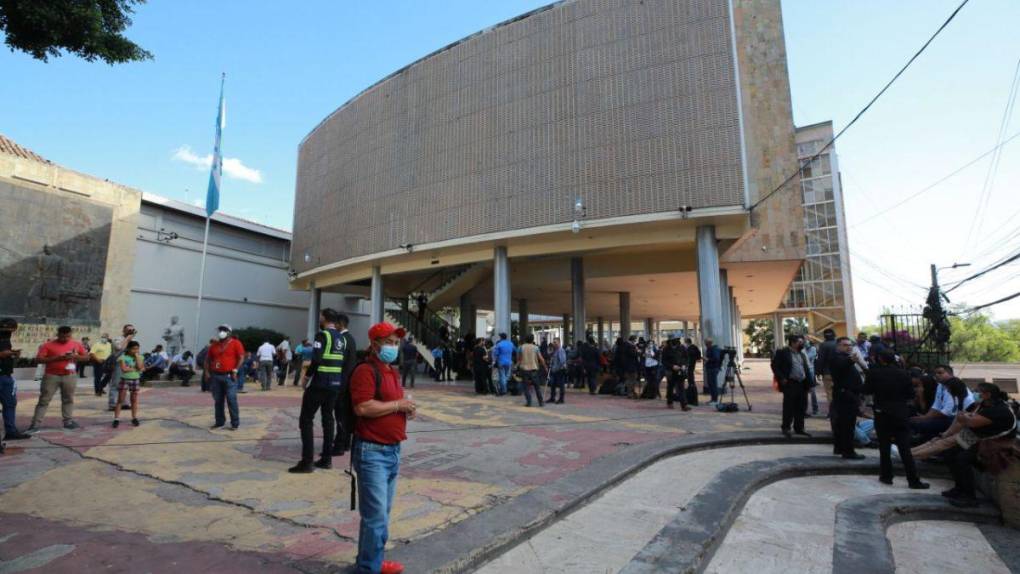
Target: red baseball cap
(383, 330)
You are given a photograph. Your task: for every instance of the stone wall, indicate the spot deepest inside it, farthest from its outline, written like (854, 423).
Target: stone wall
(70, 199)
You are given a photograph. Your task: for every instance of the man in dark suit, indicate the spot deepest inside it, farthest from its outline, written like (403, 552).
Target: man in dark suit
(893, 392)
(790, 368)
(693, 356)
(846, 399)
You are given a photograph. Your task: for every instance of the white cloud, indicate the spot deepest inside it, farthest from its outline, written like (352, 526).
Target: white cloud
(232, 167)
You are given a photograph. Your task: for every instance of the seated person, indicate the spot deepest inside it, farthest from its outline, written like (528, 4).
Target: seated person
(991, 420)
(183, 367)
(951, 397)
(156, 364)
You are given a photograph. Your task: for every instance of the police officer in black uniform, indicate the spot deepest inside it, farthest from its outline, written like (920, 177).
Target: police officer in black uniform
(846, 399)
(350, 359)
(323, 383)
(674, 360)
(894, 394)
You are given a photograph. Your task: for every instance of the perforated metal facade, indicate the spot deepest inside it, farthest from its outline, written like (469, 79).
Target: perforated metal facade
(631, 106)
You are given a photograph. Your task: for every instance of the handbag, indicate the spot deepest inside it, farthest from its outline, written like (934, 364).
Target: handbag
(966, 438)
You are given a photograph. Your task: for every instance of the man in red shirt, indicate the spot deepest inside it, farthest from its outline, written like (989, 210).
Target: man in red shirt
(60, 357)
(221, 362)
(380, 428)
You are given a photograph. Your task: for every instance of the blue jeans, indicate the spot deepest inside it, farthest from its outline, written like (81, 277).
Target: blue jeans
(504, 375)
(377, 466)
(863, 430)
(225, 387)
(9, 401)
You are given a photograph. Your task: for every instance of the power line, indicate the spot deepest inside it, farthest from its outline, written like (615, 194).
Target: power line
(940, 181)
(1006, 261)
(993, 167)
(817, 154)
(996, 302)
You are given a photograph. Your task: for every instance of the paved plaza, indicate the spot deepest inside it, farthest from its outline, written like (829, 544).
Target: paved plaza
(172, 495)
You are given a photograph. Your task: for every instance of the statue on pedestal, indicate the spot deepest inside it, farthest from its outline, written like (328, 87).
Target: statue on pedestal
(174, 337)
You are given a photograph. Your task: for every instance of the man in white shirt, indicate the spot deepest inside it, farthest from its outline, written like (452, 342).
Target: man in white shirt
(950, 396)
(285, 357)
(265, 354)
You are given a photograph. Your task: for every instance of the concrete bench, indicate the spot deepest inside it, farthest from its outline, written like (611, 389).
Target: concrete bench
(1004, 489)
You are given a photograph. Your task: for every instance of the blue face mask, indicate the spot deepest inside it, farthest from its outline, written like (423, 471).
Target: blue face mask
(388, 353)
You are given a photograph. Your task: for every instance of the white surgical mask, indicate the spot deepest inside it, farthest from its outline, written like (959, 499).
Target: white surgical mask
(224, 334)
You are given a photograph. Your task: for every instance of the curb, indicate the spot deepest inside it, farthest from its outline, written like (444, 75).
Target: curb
(471, 542)
(861, 544)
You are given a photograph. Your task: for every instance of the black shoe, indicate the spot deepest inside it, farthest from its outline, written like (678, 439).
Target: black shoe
(18, 436)
(802, 433)
(301, 468)
(219, 426)
(807, 415)
(135, 422)
(233, 428)
(885, 480)
(559, 402)
(951, 493)
(116, 423)
(338, 451)
(854, 456)
(919, 485)
(787, 434)
(71, 425)
(324, 464)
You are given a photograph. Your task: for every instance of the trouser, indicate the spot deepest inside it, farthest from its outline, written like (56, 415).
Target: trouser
(266, 374)
(317, 398)
(929, 428)
(98, 371)
(504, 374)
(844, 421)
(933, 447)
(377, 466)
(81, 369)
(793, 405)
(961, 466)
(410, 371)
(827, 383)
(690, 375)
(9, 402)
(343, 435)
(439, 368)
(184, 374)
(281, 372)
(675, 389)
(631, 383)
(813, 395)
(224, 389)
(479, 374)
(298, 365)
(712, 383)
(114, 384)
(862, 432)
(50, 384)
(205, 380)
(557, 381)
(652, 378)
(891, 430)
(530, 380)
(591, 374)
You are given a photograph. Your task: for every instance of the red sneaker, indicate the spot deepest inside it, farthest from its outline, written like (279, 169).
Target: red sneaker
(391, 567)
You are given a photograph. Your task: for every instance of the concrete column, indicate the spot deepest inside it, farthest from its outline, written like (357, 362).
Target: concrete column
(501, 290)
(649, 328)
(777, 332)
(314, 308)
(376, 313)
(709, 292)
(566, 330)
(600, 331)
(739, 332)
(685, 325)
(625, 315)
(726, 327)
(522, 317)
(577, 300)
(467, 317)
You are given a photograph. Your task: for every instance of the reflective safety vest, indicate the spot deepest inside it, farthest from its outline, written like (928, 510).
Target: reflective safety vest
(332, 361)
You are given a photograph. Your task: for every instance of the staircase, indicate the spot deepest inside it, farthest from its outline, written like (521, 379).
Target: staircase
(448, 294)
(426, 333)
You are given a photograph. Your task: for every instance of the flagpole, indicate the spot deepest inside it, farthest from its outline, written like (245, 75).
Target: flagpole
(201, 286)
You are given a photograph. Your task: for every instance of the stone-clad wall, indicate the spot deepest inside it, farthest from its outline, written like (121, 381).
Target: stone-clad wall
(629, 105)
(70, 189)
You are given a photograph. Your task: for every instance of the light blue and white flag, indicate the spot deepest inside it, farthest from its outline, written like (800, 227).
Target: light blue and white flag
(212, 197)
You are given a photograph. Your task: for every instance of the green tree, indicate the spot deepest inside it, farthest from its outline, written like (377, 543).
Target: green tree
(760, 336)
(975, 338)
(89, 28)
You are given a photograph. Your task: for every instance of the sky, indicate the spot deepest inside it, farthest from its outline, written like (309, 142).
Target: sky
(150, 124)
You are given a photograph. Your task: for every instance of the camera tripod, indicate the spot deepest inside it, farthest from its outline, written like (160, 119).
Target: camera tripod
(733, 374)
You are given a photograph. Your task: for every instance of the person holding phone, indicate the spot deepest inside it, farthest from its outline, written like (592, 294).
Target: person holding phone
(60, 356)
(131, 365)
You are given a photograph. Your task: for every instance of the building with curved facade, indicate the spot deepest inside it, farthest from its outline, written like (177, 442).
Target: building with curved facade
(603, 160)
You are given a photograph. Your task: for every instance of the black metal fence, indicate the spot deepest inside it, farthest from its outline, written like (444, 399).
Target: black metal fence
(916, 338)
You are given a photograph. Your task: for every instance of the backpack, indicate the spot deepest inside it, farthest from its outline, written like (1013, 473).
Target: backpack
(346, 419)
